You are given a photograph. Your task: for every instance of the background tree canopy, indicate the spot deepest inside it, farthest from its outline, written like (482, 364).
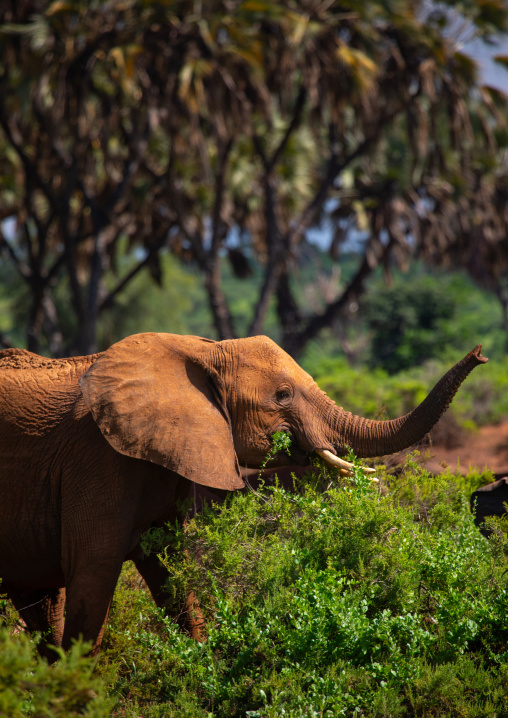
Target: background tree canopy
(223, 134)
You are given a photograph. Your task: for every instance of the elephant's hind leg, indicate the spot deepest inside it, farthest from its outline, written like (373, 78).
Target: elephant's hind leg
(189, 616)
(192, 619)
(42, 611)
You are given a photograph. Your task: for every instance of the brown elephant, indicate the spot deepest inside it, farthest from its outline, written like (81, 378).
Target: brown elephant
(94, 450)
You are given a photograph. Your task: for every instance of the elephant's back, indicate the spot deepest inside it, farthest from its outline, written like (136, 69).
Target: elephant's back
(16, 359)
(36, 393)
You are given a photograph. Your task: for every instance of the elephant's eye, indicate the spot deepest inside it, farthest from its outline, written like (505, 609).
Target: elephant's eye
(284, 394)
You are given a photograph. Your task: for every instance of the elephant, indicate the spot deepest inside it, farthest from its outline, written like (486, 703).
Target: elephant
(489, 500)
(94, 450)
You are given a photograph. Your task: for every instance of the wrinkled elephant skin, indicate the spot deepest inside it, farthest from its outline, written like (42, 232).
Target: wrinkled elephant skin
(94, 450)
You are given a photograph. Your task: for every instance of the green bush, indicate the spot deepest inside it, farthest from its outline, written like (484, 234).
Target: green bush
(353, 601)
(410, 322)
(345, 598)
(30, 687)
(428, 315)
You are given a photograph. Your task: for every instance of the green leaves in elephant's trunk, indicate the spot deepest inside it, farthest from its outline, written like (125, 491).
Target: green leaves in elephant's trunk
(378, 438)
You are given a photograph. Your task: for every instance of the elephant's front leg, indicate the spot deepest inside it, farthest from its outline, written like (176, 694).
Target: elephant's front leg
(190, 500)
(90, 589)
(98, 525)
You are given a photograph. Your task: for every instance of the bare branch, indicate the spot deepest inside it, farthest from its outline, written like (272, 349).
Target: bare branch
(292, 126)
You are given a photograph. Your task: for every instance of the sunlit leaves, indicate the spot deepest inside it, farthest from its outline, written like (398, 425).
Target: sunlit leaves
(197, 125)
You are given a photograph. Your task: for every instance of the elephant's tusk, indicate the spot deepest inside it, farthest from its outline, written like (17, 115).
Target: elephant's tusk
(333, 459)
(344, 466)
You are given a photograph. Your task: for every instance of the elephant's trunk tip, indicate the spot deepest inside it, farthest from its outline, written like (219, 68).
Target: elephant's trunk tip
(477, 354)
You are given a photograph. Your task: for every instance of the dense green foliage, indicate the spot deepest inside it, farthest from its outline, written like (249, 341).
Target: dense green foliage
(420, 315)
(351, 601)
(346, 598)
(29, 687)
(413, 321)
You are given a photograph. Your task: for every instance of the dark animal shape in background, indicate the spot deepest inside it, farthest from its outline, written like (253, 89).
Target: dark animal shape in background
(95, 450)
(489, 500)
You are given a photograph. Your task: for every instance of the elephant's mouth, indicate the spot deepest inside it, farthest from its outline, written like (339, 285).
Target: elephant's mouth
(296, 456)
(302, 457)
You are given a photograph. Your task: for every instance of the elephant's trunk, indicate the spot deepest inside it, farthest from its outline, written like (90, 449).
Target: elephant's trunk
(370, 438)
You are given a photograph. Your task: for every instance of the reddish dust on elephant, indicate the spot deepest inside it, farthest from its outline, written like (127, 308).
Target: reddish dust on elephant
(95, 450)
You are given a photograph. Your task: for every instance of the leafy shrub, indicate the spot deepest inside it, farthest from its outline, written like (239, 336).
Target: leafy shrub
(410, 322)
(30, 687)
(360, 599)
(355, 601)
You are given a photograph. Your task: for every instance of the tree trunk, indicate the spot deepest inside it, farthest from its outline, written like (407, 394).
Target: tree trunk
(289, 313)
(275, 258)
(222, 319)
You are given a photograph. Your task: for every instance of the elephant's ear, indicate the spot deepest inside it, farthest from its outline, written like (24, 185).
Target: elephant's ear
(153, 397)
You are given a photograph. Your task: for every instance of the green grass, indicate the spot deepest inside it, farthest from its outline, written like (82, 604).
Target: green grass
(358, 600)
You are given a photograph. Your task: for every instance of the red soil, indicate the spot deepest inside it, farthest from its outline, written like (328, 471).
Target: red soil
(485, 448)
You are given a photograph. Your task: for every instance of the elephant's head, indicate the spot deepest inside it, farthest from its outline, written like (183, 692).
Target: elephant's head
(204, 409)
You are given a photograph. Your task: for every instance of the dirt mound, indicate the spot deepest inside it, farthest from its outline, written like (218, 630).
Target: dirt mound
(486, 447)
